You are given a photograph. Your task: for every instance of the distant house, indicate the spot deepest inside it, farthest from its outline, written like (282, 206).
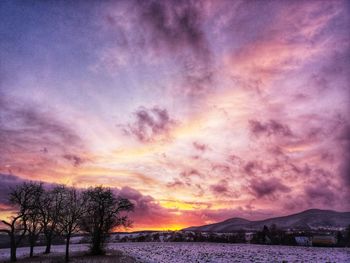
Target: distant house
(328, 240)
(303, 241)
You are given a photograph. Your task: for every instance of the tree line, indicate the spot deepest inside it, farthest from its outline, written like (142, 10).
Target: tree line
(275, 236)
(63, 211)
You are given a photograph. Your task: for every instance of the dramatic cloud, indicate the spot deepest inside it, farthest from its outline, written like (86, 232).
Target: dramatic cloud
(268, 187)
(175, 27)
(151, 124)
(220, 188)
(269, 128)
(151, 32)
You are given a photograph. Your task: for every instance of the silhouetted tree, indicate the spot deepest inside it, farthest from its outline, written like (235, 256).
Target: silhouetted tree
(348, 236)
(102, 214)
(266, 233)
(340, 238)
(17, 230)
(33, 220)
(155, 237)
(51, 205)
(71, 214)
(20, 197)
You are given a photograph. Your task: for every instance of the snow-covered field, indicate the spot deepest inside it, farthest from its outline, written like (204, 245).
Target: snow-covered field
(210, 252)
(215, 252)
(24, 251)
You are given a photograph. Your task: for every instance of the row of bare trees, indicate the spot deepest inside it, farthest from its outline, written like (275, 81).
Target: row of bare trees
(62, 210)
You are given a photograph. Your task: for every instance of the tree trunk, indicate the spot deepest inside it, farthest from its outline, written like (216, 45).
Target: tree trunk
(31, 249)
(96, 245)
(13, 249)
(48, 244)
(67, 248)
(13, 254)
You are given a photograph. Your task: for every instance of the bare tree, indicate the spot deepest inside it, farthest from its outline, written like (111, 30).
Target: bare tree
(72, 211)
(34, 220)
(16, 231)
(348, 235)
(102, 214)
(17, 227)
(51, 205)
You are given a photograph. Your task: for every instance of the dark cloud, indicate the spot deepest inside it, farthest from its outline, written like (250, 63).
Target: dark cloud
(252, 167)
(200, 146)
(268, 187)
(165, 29)
(178, 28)
(147, 211)
(74, 159)
(174, 26)
(221, 188)
(142, 203)
(272, 127)
(150, 124)
(320, 193)
(321, 189)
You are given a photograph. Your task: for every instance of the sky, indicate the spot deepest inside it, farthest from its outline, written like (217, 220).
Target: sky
(197, 111)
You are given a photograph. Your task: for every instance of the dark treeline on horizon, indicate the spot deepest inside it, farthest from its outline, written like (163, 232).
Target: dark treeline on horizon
(268, 235)
(63, 211)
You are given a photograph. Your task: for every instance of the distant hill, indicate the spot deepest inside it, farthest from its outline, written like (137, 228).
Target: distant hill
(309, 219)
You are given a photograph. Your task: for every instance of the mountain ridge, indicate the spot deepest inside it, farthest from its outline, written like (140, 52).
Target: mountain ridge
(304, 220)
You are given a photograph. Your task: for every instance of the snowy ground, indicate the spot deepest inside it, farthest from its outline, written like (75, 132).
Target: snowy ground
(210, 252)
(219, 253)
(24, 251)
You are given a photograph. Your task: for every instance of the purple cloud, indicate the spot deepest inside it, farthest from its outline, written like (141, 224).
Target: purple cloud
(272, 127)
(221, 188)
(74, 159)
(151, 124)
(200, 146)
(267, 187)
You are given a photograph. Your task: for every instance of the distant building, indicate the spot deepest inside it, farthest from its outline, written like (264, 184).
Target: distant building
(324, 240)
(303, 241)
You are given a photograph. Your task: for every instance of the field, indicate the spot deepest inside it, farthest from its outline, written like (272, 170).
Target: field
(202, 252)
